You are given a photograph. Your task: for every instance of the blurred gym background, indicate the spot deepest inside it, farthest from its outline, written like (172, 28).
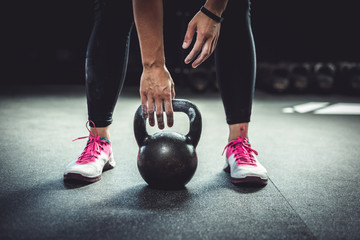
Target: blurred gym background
(302, 46)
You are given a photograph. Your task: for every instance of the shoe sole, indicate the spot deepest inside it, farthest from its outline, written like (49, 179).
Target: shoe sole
(82, 178)
(247, 180)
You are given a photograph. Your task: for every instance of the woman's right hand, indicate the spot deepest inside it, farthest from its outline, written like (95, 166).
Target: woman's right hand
(157, 90)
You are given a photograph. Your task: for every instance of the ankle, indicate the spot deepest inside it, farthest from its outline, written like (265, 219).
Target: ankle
(236, 130)
(103, 132)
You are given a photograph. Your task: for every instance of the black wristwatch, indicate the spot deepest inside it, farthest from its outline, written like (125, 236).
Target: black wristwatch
(211, 15)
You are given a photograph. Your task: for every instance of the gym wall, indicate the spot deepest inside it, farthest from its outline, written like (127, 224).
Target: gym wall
(44, 42)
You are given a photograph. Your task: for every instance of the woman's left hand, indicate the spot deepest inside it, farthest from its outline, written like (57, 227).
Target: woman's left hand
(208, 32)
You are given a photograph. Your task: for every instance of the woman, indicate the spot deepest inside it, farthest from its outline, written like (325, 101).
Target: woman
(106, 63)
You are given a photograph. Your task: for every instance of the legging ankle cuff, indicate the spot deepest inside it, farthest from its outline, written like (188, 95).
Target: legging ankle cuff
(100, 123)
(237, 119)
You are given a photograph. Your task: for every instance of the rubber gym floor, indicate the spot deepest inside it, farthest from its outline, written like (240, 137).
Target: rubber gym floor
(312, 159)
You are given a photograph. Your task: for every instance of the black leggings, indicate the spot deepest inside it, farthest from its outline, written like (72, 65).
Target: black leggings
(108, 51)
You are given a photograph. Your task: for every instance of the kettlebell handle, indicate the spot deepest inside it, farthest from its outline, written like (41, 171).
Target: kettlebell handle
(179, 105)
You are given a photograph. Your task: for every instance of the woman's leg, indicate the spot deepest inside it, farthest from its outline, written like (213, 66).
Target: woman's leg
(106, 60)
(235, 66)
(236, 63)
(106, 63)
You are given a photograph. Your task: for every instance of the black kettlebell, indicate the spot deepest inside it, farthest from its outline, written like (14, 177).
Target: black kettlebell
(167, 160)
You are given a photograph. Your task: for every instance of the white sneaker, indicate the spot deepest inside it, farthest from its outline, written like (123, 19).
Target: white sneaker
(96, 158)
(242, 163)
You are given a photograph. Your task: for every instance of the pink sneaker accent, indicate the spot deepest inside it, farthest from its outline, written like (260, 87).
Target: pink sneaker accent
(242, 163)
(241, 148)
(95, 158)
(94, 147)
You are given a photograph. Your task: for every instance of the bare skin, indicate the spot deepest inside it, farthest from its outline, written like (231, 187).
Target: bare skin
(103, 132)
(157, 87)
(208, 32)
(156, 84)
(235, 131)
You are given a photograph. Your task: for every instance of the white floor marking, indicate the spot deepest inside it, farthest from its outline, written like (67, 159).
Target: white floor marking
(288, 110)
(310, 106)
(341, 109)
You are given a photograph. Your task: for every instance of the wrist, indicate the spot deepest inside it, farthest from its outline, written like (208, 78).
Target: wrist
(155, 64)
(211, 15)
(216, 6)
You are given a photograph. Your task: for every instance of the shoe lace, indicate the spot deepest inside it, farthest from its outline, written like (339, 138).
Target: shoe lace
(93, 146)
(242, 150)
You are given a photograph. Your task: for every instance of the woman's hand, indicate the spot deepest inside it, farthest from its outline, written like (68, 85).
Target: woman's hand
(156, 89)
(208, 32)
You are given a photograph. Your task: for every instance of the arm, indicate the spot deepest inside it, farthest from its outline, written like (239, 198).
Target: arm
(207, 31)
(156, 84)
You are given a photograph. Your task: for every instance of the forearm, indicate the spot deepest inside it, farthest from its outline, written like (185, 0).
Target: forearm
(217, 6)
(148, 15)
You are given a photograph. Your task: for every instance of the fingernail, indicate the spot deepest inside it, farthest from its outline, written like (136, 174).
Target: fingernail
(184, 45)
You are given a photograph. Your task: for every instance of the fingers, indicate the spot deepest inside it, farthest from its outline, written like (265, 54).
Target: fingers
(214, 43)
(157, 91)
(144, 105)
(196, 49)
(173, 93)
(159, 113)
(151, 111)
(172, 90)
(206, 39)
(205, 53)
(149, 107)
(188, 36)
(169, 112)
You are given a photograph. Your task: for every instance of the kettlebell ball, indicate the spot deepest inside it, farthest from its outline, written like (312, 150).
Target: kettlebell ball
(168, 160)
